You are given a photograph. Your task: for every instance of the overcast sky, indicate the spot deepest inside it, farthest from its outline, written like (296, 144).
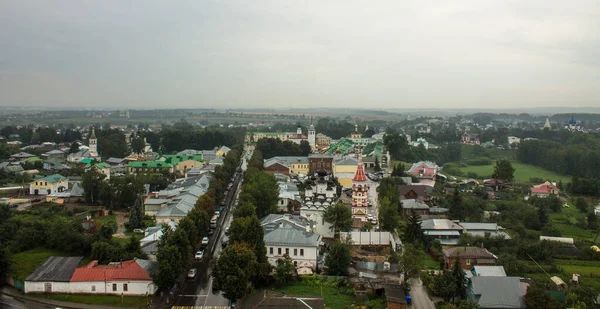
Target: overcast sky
(300, 53)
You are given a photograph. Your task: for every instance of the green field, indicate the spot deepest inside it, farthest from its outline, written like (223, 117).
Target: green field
(523, 172)
(334, 296)
(106, 300)
(25, 263)
(566, 221)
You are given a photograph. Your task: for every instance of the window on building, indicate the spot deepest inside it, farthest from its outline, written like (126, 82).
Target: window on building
(301, 252)
(271, 250)
(278, 251)
(295, 252)
(45, 183)
(124, 287)
(93, 288)
(287, 251)
(114, 286)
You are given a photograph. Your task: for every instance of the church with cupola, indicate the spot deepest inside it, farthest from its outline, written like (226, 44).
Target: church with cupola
(360, 189)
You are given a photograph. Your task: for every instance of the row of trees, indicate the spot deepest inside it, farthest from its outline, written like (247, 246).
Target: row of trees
(244, 262)
(119, 191)
(176, 248)
(580, 157)
(397, 145)
(271, 147)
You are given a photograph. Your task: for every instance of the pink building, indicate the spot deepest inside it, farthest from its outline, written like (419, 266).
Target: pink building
(424, 169)
(545, 189)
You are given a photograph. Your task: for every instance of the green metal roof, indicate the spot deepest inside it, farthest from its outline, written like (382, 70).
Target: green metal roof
(343, 146)
(149, 164)
(102, 165)
(174, 159)
(51, 178)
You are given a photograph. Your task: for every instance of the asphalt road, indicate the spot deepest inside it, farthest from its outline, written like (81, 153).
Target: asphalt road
(198, 291)
(420, 299)
(8, 302)
(374, 209)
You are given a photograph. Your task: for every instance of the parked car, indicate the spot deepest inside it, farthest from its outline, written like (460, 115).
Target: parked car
(138, 231)
(192, 273)
(199, 255)
(204, 241)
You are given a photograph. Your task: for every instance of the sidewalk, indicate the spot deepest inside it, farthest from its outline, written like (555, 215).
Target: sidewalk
(62, 304)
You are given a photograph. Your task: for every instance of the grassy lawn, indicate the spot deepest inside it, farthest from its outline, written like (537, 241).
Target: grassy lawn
(25, 263)
(107, 300)
(428, 262)
(335, 297)
(523, 172)
(104, 219)
(566, 221)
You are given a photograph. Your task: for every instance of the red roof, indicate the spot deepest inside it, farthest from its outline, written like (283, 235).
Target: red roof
(546, 187)
(128, 270)
(360, 171)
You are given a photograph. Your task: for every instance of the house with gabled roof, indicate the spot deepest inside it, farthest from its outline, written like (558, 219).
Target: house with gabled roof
(181, 196)
(222, 152)
(44, 185)
(469, 257)
(413, 205)
(424, 169)
(414, 192)
(53, 276)
(447, 232)
(182, 163)
(545, 189)
(133, 277)
(292, 236)
(495, 292)
(53, 155)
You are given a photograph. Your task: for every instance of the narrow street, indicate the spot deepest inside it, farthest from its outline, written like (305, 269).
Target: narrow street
(13, 303)
(199, 291)
(420, 298)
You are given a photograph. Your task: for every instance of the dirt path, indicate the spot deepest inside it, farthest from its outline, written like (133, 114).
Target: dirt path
(120, 216)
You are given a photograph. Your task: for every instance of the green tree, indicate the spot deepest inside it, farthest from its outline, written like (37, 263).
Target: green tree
(305, 148)
(581, 204)
(413, 232)
(338, 259)
(388, 215)
(4, 261)
(377, 167)
(74, 147)
(136, 217)
(233, 270)
(444, 285)
(410, 262)
(92, 185)
(261, 190)
(459, 278)
(340, 218)
(456, 210)
(190, 229)
(284, 271)
(249, 230)
(543, 215)
(537, 297)
(138, 144)
(503, 170)
(245, 210)
(169, 266)
(106, 252)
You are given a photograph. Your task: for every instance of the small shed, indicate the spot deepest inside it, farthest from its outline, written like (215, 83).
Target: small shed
(560, 284)
(53, 276)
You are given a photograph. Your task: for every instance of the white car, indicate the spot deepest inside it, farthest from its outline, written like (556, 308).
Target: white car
(192, 273)
(204, 241)
(370, 217)
(199, 255)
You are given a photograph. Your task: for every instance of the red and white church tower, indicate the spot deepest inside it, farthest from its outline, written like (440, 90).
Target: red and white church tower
(360, 189)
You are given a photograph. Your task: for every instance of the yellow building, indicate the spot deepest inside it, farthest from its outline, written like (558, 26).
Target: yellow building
(299, 167)
(222, 152)
(344, 169)
(255, 136)
(182, 163)
(48, 184)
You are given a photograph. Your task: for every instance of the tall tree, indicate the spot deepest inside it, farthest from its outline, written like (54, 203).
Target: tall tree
(284, 271)
(537, 297)
(456, 210)
(233, 270)
(377, 167)
(340, 218)
(413, 232)
(503, 170)
(136, 218)
(138, 144)
(388, 215)
(169, 266)
(92, 185)
(410, 262)
(338, 259)
(460, 279)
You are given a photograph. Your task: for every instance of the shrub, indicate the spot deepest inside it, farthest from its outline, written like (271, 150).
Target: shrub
(479, 161)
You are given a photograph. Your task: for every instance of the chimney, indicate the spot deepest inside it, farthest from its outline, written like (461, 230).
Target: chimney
(308, 229)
